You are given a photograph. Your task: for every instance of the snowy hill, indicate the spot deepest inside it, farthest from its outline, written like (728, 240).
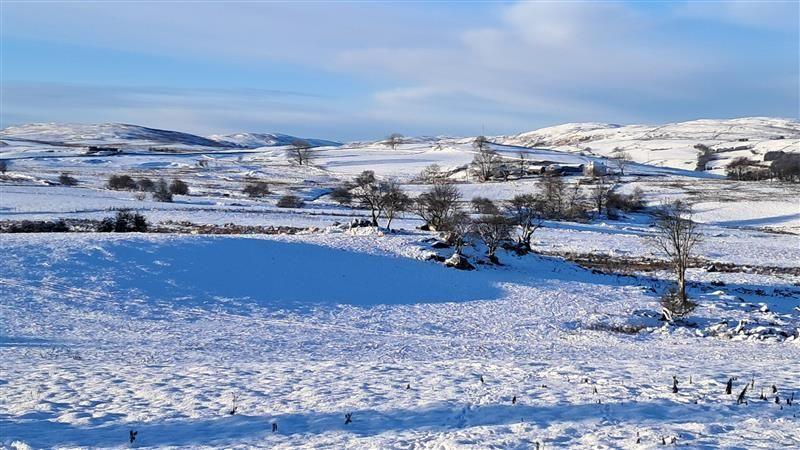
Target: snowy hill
(112, 134)
(126, 135)
(256, 140)
(670, 145)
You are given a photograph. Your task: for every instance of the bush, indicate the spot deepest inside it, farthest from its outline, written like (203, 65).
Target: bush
(67, 180)
(38, 226)
(786, 167)
(122, 183)
(290, 201)
(342, 194)
(625, 202)
(438, 206)
(146, 185)
(162, 192)
(125, 222)
(3, 166)
(256, 189)
(178, 187)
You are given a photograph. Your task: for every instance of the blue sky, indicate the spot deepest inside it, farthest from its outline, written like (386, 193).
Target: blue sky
(355, 70)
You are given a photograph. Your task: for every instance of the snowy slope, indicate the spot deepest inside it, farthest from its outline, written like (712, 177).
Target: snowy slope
(104, 334)
(112, 134)
(670, 145)
(125, 135)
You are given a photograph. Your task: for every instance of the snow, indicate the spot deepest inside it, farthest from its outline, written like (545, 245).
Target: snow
(104, 333)
(134, 136)
(102, 134)
(108, 333)
(670, 145)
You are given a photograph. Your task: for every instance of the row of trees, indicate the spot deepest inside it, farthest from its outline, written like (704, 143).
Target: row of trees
(127, 183)
(161, 190)
(442, 210)
(493, 223)
(783, 166)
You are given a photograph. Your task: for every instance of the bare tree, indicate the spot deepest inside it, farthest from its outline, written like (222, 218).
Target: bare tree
(457, 229)
(438, 206)
(370, 193)
(621, 159)
(431, 174)
(676, 236)
(394, 201)
(527, 212)
(575, 207)
(599, 194)
(491, 226)
(553, 196)
(300, 152)
(486, 161)
(480, 143)
(394, 139)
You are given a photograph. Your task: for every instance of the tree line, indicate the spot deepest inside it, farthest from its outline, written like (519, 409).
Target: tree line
(443, 209)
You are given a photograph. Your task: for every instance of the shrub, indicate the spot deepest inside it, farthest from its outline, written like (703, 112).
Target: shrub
(625, 202)
(67, 180)
(256, 189)
(342, 194)
(492, 228)
(3, 166)
(178, 187)
(527, 211)
(483, 205)
(394, 200)
(121, 183)
(146, 185)
(439, 206)
(290, 201)
(162, 192)
(38, 226)
(786, 167)
(125, 222)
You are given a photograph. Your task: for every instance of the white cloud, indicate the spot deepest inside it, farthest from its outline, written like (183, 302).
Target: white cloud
(439, 70)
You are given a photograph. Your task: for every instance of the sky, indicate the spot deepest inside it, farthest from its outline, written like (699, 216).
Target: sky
(358, 70)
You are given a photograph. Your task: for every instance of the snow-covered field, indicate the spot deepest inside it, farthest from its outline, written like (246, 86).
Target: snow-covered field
(166, 334)
(670, 145)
